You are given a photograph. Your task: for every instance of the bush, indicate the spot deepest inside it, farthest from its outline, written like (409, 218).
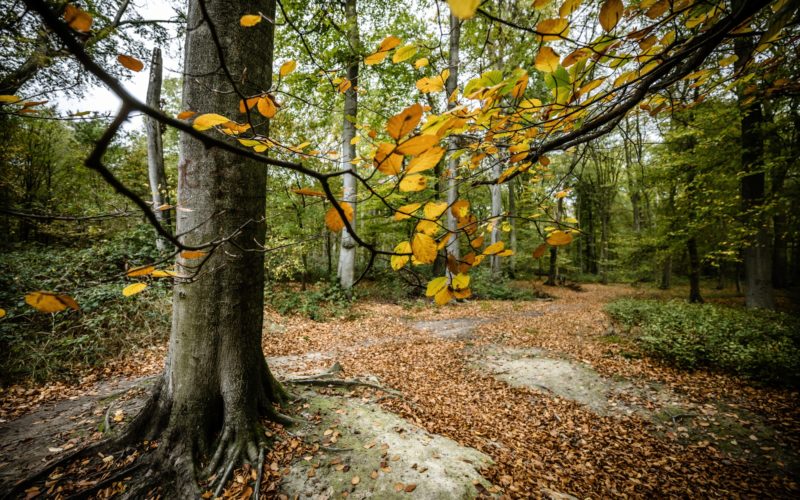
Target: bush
(320, 303)
(762, 345)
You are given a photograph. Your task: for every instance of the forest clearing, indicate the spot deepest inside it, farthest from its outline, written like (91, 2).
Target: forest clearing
(377, 249)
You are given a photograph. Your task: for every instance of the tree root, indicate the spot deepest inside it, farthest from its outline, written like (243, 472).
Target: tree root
(341, 383)
(260, 476)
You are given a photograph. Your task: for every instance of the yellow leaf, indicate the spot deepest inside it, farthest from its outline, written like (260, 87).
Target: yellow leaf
(404, 122)
(389, 43)
(161, 273)
(131, 63)
(561, 194)
(78, 19)
(559, 238)
(2, 313)
(334, 221)
(49, 302)
(417, 144)
(403, 53)
(421, 62)
(375, 58)
(443, 297)
(546, 60)
(568, 7)
(250, 20)
(140, 271)
(266, 106)
(435, 286)
(405, 211)
(506, 253)
(133, 289)
(610, 14)
(309, 192)
(9, 99)
(460, 209)
(477, 242)
(344, 85)
(386, 160)
(539, 251)
(424, 248)
(428, 227)
(434, 210)
(460, 281)
(398, 261)
(463, 9)
(426, 160)
(553, 29)
(193, 254)
(183, 115)
(427, 85)
(287, 67)
(494, 248)
(462, 294)
(208, 120)
(413, 183)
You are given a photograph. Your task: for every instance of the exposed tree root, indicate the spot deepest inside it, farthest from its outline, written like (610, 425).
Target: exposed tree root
(341, 383)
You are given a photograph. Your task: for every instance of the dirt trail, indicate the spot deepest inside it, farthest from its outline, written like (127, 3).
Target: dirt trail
(538, 398)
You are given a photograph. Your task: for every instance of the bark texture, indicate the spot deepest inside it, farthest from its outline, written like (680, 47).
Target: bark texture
(451, 84)
(347, 252)
(155, 148)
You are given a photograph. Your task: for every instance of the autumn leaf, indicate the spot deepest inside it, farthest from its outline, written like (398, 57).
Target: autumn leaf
(539, 251)
(398, 261)
(9, 99)
(405, 211)
(546, 60)
(559, 238)
(49, 302)
(389, 43)
(208, 120)
(266, 106)
(421, 62)
(250, 20)
(460, 281)
(2, 313)
(131, 63)
(386, 160)
(553, 29)
(424, 248)
(376, 58)
(77, 19)
(460, 209)
(193, 254)
(183, 115)
(334, 221)
(140, 271)
(404, 122)
(610, 14)
(133, 289)
(417, 144)
(464, 9)
(435, 286)
(163, 273)
(413, 183)
(287, 67)
(494, 248)
(308, 192)
(434, 210)
(426, 160)
(403, 53)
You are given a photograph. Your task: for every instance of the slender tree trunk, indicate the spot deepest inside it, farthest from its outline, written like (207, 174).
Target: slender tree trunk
(666, 273)
(155, 149)
(452, 248)
(552, 273)
(694, 271)
(757, 253)
(216, 384)
(604, 223)
(512, 219)
(347, 252)
(497, 210)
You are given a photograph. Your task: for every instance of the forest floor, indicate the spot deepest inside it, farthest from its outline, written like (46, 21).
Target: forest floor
(488, 398)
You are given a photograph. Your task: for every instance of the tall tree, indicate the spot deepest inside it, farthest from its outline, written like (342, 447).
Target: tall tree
(451, 86)
(155, 148)
(347, 252)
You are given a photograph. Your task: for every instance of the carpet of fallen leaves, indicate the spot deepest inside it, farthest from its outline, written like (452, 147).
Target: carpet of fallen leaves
(538, 440)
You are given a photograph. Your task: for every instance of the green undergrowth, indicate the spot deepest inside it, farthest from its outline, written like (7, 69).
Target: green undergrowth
(322, 301)
(41, 347)
(760, 345)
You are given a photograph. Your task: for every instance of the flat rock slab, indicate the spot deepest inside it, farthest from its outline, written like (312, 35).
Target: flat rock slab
(462, 328)
(391, 457)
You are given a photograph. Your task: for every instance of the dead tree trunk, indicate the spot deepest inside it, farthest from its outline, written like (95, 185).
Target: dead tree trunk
(155, 149)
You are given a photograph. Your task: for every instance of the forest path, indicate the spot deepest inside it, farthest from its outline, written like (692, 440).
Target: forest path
(559, 400)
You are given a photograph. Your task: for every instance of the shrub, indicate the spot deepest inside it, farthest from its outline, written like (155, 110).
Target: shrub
(761, 345)
(320, 303)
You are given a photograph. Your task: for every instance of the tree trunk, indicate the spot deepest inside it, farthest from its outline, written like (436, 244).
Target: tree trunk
(216, 383)
(694, 271)
(155, 149)
(757, 254)
(497, 210)
(666, 273)
(347, 252)
(452, 248)
(552, 273)
(512, 237)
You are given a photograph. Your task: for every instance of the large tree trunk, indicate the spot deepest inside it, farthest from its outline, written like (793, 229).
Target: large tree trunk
(757, 252)
(452, 248)
(155, 149)
(217, 383)
(347, 252)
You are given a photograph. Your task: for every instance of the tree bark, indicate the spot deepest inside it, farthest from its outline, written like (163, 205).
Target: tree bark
(216, 383)
(347, 251)
(155, 149)
(757, 253)
(452, 248)
(497, 210)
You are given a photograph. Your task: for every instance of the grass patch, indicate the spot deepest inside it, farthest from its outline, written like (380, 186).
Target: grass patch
(760, 345)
